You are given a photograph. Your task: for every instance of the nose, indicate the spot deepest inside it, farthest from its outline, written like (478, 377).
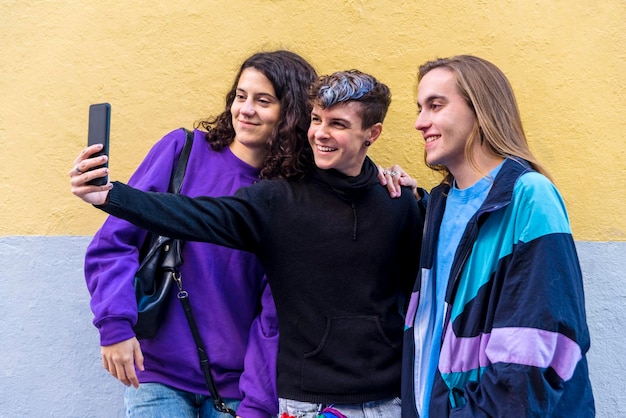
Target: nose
(247, 108)
(320, 131)
(421, 123)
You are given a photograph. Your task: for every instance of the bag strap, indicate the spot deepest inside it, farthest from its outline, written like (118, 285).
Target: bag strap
(218, 402)
(183, 295)
(176, 180)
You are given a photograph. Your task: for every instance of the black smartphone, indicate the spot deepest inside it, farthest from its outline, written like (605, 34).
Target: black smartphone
(99, 128)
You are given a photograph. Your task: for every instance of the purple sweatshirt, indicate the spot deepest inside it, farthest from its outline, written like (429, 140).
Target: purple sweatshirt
(228, 291)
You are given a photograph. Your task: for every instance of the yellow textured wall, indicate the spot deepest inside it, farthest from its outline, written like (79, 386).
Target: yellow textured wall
(166, 64)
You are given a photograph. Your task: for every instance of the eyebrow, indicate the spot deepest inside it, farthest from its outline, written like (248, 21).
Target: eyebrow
(258, 94)
(334, 120)
(432, 98)
(342, 120)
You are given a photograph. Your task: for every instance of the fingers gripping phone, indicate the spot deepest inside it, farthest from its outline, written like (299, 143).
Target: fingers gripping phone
(99, 128)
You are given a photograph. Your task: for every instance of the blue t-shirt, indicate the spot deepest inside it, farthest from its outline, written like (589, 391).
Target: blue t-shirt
(461, 205)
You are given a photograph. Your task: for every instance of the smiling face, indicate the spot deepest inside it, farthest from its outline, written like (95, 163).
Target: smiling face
(338, 138)
(445, 120)
(255, 112)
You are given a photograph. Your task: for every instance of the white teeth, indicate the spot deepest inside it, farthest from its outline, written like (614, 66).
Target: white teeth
(432, 138)
(325, 149)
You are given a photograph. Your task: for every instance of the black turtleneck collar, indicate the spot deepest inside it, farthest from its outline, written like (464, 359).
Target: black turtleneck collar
(346, 187)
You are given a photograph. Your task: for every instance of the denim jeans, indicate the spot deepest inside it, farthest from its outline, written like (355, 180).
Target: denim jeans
(154, 400)
(386, 408)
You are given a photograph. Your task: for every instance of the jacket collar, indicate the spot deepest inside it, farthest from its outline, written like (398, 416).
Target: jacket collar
(501, 193)
(499, 196)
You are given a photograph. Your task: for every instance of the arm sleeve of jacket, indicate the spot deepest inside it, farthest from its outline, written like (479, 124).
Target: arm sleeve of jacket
(258, 380)
(113, 255)
(536, 350)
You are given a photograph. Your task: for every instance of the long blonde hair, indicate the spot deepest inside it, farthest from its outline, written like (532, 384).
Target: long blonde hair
(489, 94)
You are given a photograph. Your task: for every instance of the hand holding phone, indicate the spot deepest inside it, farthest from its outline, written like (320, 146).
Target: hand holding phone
(99, 131)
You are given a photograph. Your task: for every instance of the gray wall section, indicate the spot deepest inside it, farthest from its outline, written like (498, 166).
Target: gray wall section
(604, 272)
(50, 362)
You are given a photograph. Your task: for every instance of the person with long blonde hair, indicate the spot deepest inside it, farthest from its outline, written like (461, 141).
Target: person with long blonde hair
(496, 325)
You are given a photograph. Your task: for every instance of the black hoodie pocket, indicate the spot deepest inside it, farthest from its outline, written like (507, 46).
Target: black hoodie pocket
(355, 355)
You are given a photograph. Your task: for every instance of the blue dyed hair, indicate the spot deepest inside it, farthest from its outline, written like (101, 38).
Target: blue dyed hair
(353, 86)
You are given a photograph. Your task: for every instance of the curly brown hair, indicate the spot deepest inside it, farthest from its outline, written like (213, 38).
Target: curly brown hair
(288, 152)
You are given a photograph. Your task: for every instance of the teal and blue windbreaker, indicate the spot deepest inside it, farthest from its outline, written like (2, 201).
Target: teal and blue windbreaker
(515, 332)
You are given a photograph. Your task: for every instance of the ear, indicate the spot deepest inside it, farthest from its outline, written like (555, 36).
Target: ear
(374, 132)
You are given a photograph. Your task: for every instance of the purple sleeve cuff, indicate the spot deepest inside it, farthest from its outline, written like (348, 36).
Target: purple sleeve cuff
(113, 331)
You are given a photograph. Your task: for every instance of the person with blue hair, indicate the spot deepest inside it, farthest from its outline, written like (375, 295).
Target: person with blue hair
(339, 253)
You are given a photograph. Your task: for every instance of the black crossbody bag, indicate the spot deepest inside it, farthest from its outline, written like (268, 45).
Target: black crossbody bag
(158, 271)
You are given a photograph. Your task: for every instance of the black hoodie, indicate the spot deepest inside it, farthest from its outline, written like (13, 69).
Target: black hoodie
(340, 256)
